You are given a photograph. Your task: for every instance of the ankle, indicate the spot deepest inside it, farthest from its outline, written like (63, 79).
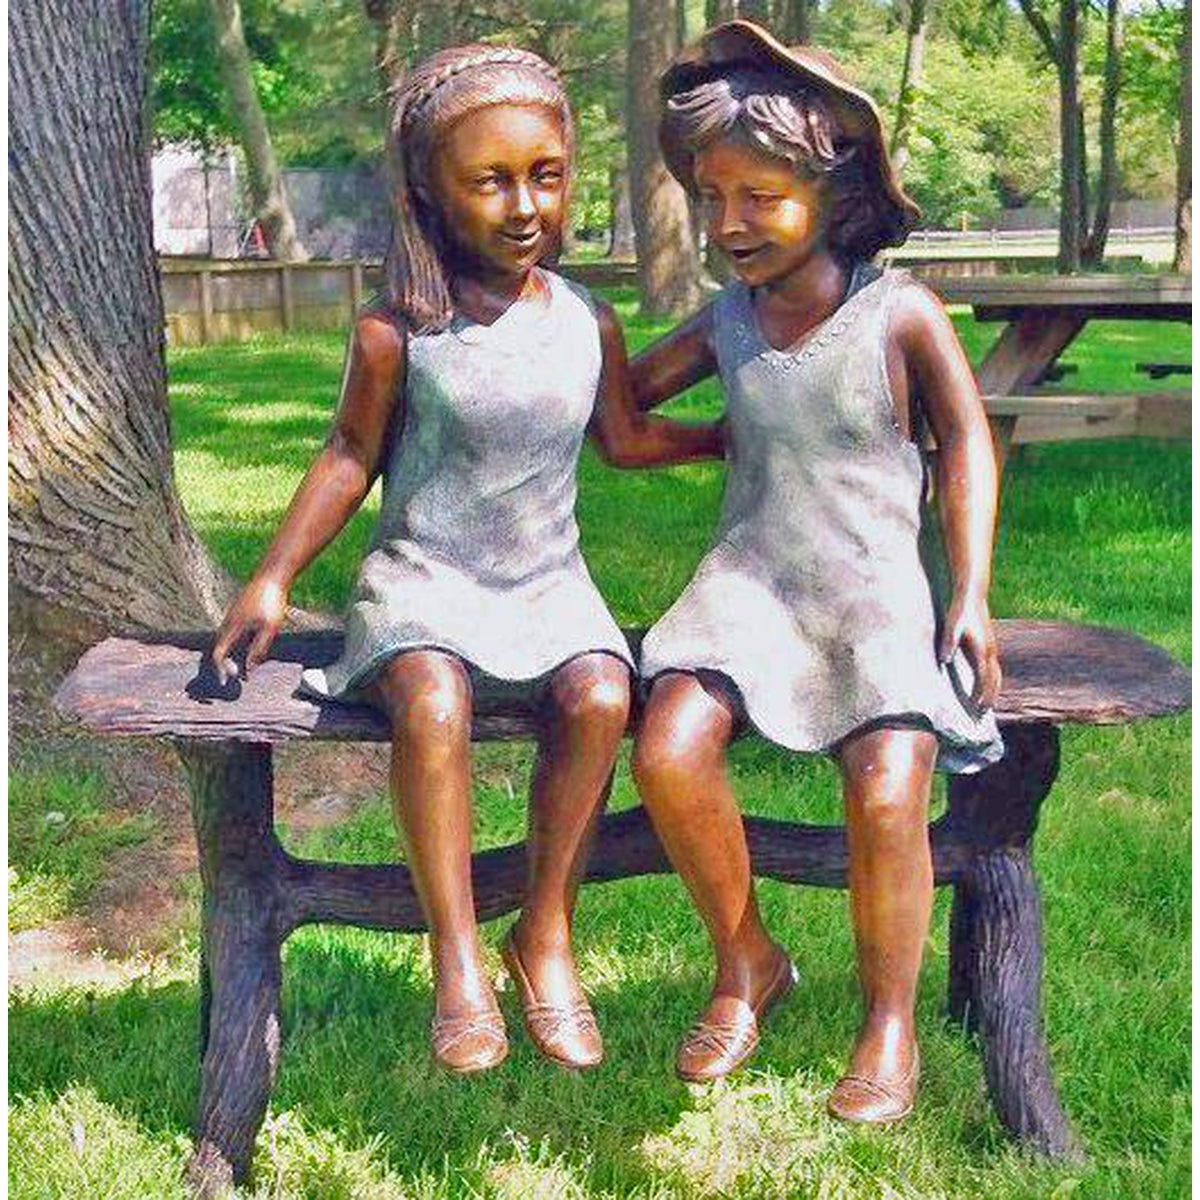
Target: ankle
(542, 939)
(742, 967)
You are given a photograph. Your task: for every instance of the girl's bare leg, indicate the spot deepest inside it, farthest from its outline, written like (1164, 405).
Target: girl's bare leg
(679, 766)
(427, 696)
(886, 779)
(587, 711)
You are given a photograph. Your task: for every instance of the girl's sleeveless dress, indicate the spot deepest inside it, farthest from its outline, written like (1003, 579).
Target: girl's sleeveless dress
(477, 550)
(815, 600)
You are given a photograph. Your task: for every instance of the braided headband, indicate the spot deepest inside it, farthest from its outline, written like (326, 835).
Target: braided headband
(492, 56)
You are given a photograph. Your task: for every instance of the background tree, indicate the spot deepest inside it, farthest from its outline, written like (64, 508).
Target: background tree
(267, 192)
(98, 540)
(1183, 190)
(911, 79)
(669, 275)
(1079, 245)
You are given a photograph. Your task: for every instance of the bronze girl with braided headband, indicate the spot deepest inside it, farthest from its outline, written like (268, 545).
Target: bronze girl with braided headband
(470, 388)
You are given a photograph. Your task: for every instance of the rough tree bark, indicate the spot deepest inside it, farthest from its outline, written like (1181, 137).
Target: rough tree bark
(911, 79)
(98, 540)
(1183, 179)
(1093, 249)
(393, 21)
(267, 192)
(669, 275)
(1070, 218)
(622, 241)
(794, 21)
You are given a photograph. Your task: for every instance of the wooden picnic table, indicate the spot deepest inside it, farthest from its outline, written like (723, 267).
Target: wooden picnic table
(256, 894)
(1044, 315)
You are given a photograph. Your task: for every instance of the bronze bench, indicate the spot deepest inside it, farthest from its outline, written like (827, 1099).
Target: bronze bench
(255, 893)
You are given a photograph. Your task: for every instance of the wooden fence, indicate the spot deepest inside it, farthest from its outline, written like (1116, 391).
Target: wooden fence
(230, 301)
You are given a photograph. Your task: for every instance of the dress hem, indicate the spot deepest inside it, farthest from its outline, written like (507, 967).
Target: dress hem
(966, 757)
(369, 671)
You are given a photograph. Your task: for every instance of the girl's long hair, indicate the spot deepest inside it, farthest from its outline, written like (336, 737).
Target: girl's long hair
(443, 89)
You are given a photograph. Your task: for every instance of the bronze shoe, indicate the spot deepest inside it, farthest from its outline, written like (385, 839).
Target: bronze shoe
(712, 1049)
(875, 1101)
(470, 1043)
(566, 1034)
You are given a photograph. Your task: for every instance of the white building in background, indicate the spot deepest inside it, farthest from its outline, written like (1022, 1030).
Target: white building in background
(200, 208)
(196, 203)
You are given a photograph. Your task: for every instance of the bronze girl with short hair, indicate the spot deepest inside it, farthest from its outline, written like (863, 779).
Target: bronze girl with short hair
(812, 616)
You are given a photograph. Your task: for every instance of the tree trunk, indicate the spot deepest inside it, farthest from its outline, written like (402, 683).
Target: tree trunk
(1071, 138)
(395, 30)
(1183, 178)
(393, 20)
(911, 80)
(1093, 252)
(755, 10)
(794, 22)
(98, 540)
(718, 11)
(622, 242)
(669, 274)
(267, 193)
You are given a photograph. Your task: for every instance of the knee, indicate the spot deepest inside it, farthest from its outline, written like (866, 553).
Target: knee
(664, 767)
(888, 788)
(431, 705)
(594, 699)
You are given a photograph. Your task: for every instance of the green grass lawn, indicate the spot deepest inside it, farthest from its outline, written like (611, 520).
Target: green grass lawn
(103, 1083)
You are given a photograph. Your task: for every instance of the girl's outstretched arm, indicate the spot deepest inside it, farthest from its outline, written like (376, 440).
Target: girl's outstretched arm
(936, 369)
(330, 493)
(624, 435)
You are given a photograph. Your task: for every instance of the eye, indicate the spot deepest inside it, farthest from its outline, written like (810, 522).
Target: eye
(549, 176)
(486, 183)
(765, 199)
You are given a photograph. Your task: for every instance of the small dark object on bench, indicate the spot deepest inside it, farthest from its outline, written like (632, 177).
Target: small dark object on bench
(1162, 370)
(255, 893)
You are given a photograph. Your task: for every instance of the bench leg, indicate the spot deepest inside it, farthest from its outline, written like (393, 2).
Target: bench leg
(240, 960)
(995, 980)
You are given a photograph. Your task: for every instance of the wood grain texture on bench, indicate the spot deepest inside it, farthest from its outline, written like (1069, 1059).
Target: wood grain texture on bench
(1054, 673)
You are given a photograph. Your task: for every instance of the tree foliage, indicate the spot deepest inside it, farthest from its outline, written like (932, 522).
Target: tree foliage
(984, 134)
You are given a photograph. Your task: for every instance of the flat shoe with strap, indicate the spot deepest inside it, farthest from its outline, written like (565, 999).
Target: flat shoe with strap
(471, 1043)
(865, 1101)
(712, 1049)
(567, 1034)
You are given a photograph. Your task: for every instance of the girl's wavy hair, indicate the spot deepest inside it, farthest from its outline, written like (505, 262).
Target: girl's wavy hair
(766, 110)
(437, 92)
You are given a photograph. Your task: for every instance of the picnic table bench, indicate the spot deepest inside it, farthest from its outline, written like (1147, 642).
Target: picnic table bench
(255, 893)
(1043, 315)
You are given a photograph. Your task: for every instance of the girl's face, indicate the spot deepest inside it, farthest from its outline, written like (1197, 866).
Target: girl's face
(765, 218)
(499, 176)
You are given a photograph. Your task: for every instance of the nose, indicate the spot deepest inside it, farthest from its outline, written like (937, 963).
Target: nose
(728, 219)
(522, 200)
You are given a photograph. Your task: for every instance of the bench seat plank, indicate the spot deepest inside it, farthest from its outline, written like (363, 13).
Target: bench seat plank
(1054, 673)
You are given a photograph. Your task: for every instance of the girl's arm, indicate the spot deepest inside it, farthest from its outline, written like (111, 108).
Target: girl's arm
(330, 493)
(624, 435)
(932, 365)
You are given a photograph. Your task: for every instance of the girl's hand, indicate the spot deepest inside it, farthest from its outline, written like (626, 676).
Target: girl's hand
(969, 625)
(258, 612)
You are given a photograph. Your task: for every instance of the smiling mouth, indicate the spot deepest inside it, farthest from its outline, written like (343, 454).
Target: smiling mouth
(523, 240)
(742, 254)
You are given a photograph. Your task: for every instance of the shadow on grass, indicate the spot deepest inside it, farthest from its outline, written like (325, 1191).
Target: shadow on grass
(356, 1061)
